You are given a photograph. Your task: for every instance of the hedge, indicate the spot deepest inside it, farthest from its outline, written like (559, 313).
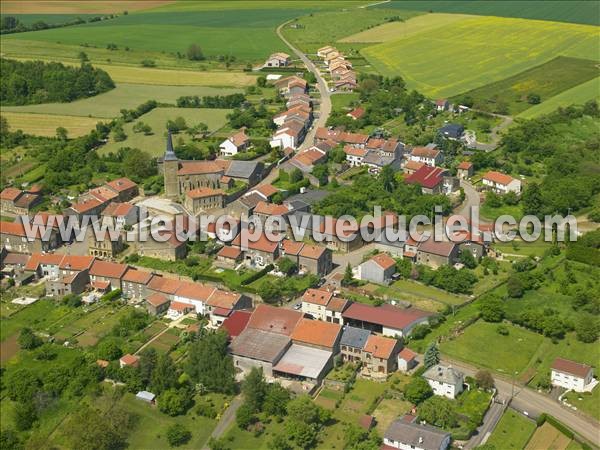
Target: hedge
(255, 276)
(556, 424)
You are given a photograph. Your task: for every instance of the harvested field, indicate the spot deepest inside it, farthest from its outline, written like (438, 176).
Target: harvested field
(79, 7)
(46, 124)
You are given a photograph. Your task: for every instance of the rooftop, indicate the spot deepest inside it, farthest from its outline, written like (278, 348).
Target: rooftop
(258, 344)
(303, 361)
(386, 315)
(316, 332)
(236, 323)
(416, 435)
(380, 347)
(107, 269)
(317, 296)
(276, 320)
(444, 374)
(571, 367)
(354, 337)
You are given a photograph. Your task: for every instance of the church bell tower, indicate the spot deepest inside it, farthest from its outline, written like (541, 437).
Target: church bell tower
(170, 168)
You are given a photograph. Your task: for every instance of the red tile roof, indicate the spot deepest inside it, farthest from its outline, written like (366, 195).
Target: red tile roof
(277, 320)
(262, 244)
(465, 165)
(407, 354)
(48, 219)
(498, 177)
(441, 248)
(165, 285)
(12, 228)
(194, 291)
(424, 152)
(103, 193)
(116, 209)
(181, 307)
(354, 151)
(571, 367)
(108, 269)
(137, 276)
(230, 252)
(129, 360)
(312, 251)
(10, 194)
(413, 165)
(270, 209)
(76, 262)
(236, 323)
(316, 332)
(121, 184)
(380, 347)
(199, 167)
(157, 299)
(86, 205)
(291, 247)
(384, 261)
(266, 189)
(386, 315)
(223, 299)
(356, 113)
(43, 258)
(317, 297)
(204, 192)
(337, 304)
(427, 177)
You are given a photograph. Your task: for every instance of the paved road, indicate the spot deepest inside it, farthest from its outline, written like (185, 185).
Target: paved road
(535, 403)
(472, 198)
(325, 108)
(226, 420)
(490, 421)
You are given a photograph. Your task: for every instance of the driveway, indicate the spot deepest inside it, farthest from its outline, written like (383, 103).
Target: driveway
(227, 419)
(472, 199)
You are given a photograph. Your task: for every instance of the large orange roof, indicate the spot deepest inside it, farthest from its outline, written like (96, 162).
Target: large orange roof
(108, 269)
(165, 285)
(43, 258)
(223, 299)
(76, 262)
(121, 184)
(317, 297)
(277, 320)
(316, 332)
(194, 291)
(270, 209)
(312, 251)
(379, 346)
(498, 177)
(137, 276)
(10, 194)
(384, 261)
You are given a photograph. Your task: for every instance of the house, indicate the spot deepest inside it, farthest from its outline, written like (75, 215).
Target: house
(259, 253)
(427, 155)
(411, 166)
(442, 104)
(157, 304)
(124, 188)
(356, 113)
(291, 85)
(334, 310)
(275, 320)
(301, 111)
(464, 170)
(44, 264)
(407, 359)
(18, 202)
(204, 199)
(120, 214)
(380, 355)
(352, 343)
(279, 59)
(323, 51)
(237, 142)
(171, 248)
(378, 269)
(264, 211)
(177, 310)
(128, 360)
(104, 246)
(14, 237)
(346, 240)
(89, 207)
(345, 85)
(249, 172)
(314, 303)
(235, 323)
(73, 283)
(317, 334)
(110, 272)
(221, 305)
(134, 284)
(386, 319)
(229, 256)
(307, 159)
(501, 183)
(452, 131)
(315, 259)
(406, 434)
(355, 156)
(572, 375)
(444, 380)
(194, 294)
(290, 134)
(436, 254)
(431, 179)
(331, 56)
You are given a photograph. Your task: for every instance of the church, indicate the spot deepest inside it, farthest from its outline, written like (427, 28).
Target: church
(181, 176)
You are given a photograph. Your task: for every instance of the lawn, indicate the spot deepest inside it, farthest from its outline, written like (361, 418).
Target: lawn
(395, 30)
(154, 144)
(481, 345)
(46, 124)
(523, 248)
(388, 410)
(242, 439)
(588, 402)
(413, 291)
(577, 95)
(576, 11)
(342, 101)
(124, 96)
(474, 52)
(546, 80)
(512, 432)
(492, 213)
(38, 316)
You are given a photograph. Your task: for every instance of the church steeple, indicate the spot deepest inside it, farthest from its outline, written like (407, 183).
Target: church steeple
(169, 153)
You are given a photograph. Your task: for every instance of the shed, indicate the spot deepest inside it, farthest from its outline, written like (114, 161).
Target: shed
(146, 396)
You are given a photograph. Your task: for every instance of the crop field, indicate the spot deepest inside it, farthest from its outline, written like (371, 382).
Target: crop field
(547, 80)
(154, 144)
(512, 432)
(475, 52)
(397, 30)
(78, 8)
(575, 11)
(46, 124)
(212, 5)
(124, 96)
(577, 95)
(547, 436)
(315, 30)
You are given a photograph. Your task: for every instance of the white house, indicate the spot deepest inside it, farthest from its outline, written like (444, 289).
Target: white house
(314, 303)
(234, 144)
(279, 59)
(427, 155)
(406, 434)
(444, 380)
(355, 156)
(501, 183)
(195, 295)
(572, 375)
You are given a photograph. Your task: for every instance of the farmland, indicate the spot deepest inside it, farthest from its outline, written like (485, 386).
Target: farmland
(154, 144)
(46, 124)
(62, 7)
(546, 81)
(577, 11)
(128, 96)
(396, 30)
(474, 52)
(548, 436)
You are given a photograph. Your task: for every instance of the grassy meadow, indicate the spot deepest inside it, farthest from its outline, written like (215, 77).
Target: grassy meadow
(512, 432)
(575, 11)
(547, 80)
(128, 96)
(154, 144)
(474, 52)
(46, 124)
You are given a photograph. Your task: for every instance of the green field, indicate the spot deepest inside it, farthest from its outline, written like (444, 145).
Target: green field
(126, 96)
(547, 80)
(397, 30)
(576, 11)
(512, 432)
(474, 52)
(46, 124)
(574, 96)
(154, 144)
(482, 345)
(588, 402)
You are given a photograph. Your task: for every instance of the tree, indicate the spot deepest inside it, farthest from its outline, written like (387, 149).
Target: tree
(178, 434)
(270, 293)
(25, 414)
(321, 173)
(244, 416)
(418, 390)
(438, 411)
(10, 440)
(254, 389)
(108, 349)
(587, 329)
(276, 400)
(533, 99)
(138, 164)
(514, 286)
(194, 53)
(466, 257)
(404, 267)
(164, 376)
(174, 402)
(90, 429)
(348, 275)
(296, 175)
(492, 309)
(287, 266)
(432, 356)
(147, 363)
(61, 133)
(280, 442)
(210, 364)
(493, 200)
(484, 379)
(28, 340)
(388, 179)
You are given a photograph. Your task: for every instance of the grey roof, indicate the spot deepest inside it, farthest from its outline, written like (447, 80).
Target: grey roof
(311, 196)
(416, 435)
(304, 361)
(243, 169)
(452, 130)
(354, 337)
(145, 395)
(169, 153)
(302, 220)
(261, 345)
(376, 159)
(297, 205)
(444, 374)
(251, 200)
